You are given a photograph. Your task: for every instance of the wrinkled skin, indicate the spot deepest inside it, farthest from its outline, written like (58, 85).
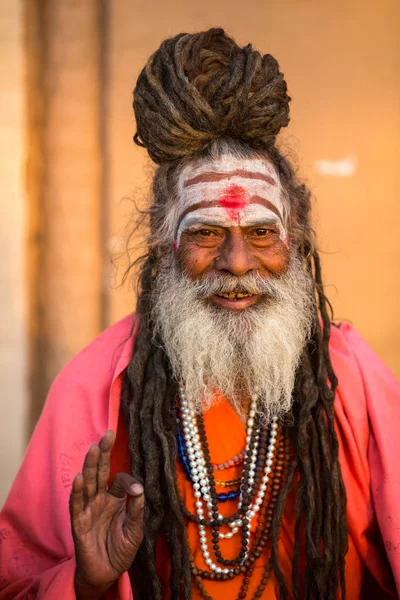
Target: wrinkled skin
(106, 531)
(234, 250)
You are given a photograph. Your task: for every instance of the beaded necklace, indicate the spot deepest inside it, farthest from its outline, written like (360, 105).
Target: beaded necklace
(183, 457)
(233, 462)
(261, 444)
(229, 483)
(236, 460)
(262, 535)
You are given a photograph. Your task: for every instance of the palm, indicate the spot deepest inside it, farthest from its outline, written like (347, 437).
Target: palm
(106, 535)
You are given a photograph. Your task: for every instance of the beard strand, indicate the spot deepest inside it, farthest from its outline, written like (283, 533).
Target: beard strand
(239, 354)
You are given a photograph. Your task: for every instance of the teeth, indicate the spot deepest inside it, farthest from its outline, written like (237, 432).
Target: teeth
(234, 295)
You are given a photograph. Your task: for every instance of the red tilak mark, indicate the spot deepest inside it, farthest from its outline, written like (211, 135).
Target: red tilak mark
(233, 199)
(175, 245)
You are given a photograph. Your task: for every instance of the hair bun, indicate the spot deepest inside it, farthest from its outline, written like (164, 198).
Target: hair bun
(199, 87)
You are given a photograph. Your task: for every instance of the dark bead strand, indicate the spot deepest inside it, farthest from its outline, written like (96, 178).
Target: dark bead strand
(257, 550)
(243, 549)
(284, 459)
(182, 455)
(216, 524)
(263, 532)
(208, 522)
(250, 496)
(279, 479)
(262, 536)
(261, 458)
(227, 520)
(213, 493)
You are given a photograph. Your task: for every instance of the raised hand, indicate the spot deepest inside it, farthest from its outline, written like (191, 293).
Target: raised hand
(106, 534)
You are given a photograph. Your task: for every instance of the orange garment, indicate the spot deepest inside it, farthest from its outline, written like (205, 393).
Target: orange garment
(226, 437)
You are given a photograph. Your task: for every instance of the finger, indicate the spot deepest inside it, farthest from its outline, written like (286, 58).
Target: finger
(133, 525)
(89, 471)
(124, 484)
(103, 466)
(76, 499)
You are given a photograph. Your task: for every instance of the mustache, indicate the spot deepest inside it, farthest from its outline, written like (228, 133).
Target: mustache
(250, 283)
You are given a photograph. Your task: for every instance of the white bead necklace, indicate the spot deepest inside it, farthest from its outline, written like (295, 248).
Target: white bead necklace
(202, 486)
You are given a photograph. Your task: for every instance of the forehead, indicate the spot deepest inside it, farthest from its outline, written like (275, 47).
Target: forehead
(229, 191)
(218, 170)
(232, 183)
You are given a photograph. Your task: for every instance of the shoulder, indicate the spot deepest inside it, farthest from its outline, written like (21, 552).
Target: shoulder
(367, 415)
(79, 404)
(352, 355)
(84, 383)
(102, 359)
(76, 414)
(367, 389)
(344, 340)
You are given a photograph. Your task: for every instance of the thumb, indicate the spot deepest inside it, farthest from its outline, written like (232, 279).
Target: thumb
(124, 484)
(132, 520)
(133, 524)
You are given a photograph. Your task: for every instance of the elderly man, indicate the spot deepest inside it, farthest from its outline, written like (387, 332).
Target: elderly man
(250, 446)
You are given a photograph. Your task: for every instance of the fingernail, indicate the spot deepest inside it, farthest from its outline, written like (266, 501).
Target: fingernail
(136, 489)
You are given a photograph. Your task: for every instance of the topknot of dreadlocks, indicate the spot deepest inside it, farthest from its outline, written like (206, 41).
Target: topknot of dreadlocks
(199, 87)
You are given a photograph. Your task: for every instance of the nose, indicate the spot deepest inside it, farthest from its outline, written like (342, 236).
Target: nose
(235, 257)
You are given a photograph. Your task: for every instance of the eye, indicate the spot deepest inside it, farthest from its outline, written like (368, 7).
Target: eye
(207, 237)
(262, 231)
(205, 232)
(263, 236)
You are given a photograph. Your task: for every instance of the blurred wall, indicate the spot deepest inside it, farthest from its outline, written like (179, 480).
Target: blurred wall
(13, 334)
(82, 171)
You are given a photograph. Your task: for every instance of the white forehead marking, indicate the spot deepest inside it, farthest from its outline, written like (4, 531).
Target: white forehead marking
(209, 191)
(227, 164)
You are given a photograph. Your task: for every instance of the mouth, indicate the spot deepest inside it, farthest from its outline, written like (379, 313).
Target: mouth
(235, 300)
(234, 295)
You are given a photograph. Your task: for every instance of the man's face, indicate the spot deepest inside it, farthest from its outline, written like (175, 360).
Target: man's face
(232, 303)
(232, 222)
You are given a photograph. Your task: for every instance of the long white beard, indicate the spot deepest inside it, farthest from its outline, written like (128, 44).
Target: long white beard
(239, 353)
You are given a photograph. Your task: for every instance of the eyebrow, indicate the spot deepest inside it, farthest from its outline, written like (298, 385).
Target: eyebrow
(208, 222)
(212, 176)
(215, 203)
(260, 222)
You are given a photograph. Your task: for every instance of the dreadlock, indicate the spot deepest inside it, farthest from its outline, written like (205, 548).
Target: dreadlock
(199, 92)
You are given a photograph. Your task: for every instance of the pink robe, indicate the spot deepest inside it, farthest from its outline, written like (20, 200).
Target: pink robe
(36, 547)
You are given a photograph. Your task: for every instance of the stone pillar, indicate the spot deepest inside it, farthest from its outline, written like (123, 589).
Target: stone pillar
(13, 364)
(68, 267)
